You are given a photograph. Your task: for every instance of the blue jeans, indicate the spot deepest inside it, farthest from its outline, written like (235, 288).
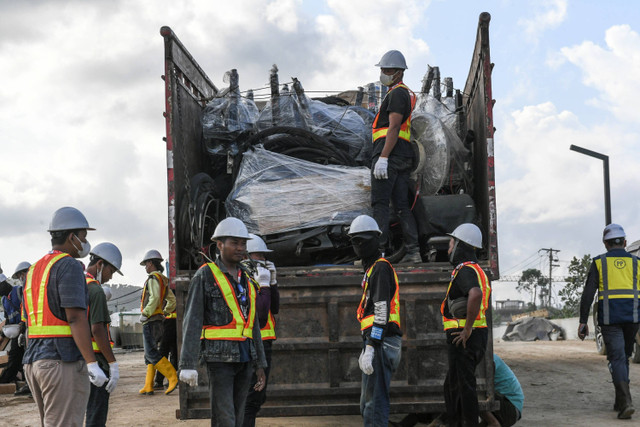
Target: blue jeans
(374, 394)
(228, 389)
(151, 336)
(619, 341)
(98, 405)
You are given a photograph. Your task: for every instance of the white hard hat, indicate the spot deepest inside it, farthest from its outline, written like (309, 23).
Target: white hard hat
(469, 234)
(11, 331)
(68, 218)
(231, 227)
(110, 253)
(392, 59)
(24, 265)
(613, 231)
(363, 223)
(256, 244)
(151, 254)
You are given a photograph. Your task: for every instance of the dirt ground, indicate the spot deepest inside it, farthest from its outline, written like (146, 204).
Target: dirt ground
(565, 384)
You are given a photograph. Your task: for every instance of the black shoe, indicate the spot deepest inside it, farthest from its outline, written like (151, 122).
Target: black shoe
(23, 391)
(411, 258)
(158, 386)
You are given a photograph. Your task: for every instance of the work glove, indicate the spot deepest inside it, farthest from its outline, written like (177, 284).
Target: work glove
(189, 376)
(380, 169)
(272, 269)
(366, 360)
(96, 376)
(21, 341)
(114, 376)
(143, 318)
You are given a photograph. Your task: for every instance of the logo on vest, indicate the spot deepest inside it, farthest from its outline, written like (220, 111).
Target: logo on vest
(619, 264)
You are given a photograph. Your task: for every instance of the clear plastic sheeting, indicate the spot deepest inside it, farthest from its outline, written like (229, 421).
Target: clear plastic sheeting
(444, 110)
(275, 193)
(226, 117)
(341, 124)
(287, 112)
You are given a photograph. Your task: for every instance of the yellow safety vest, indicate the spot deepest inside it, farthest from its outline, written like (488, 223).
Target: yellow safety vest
(239, 328)
(269, 330)
(481, 320)
(173, 315)
(394, 310)
(405, 127)
(90, 279)
(618, 288)
(163, 281)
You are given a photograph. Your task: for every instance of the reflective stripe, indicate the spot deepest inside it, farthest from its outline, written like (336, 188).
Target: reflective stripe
(162, 281)
(238, 329)
(605, 289)
(481, 320)
(635, 290)
(269, 330)
(405, 127)
(617, 287)
(173, 315)
(394, 310)
(90, 279)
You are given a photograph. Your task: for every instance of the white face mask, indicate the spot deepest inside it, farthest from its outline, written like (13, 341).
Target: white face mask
(86, 247)
(99, 276)
(386, 79)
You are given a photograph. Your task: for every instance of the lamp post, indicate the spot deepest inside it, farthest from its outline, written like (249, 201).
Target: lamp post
(607, 192)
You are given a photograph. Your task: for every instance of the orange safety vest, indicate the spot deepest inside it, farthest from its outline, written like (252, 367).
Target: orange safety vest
(269, 330)
(405, 127)
(394, 312)
(239, 328)
(90, 279)
(163, 291)
(481, 320)
(42, 323)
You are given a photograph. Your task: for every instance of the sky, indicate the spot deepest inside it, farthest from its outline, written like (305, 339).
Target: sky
(82, 100)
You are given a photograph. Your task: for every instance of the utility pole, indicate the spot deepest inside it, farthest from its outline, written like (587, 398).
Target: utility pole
(552, 259)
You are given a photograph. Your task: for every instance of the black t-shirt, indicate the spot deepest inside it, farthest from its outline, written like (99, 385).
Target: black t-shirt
(398, 101)
(465, 280)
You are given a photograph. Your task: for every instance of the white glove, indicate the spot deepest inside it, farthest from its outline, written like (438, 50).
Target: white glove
(272, 269)
(189, 376)
(21, 341)
(143, 318)
(380, 169)
(96, 375)
(366, 360)
(114, 376)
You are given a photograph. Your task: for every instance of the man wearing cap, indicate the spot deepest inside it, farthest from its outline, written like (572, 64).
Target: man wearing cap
(157, 301)
(59, 361)
(11, 293)
(379, 317)
(393, 155)
(220, 327)
(105, 260)
(615, 276)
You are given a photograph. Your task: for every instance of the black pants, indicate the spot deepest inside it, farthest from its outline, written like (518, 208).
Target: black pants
(394, 189)
(168, 346)
(228, 388)
(98, 405)
(14, 365)
(508, 414)
(460, 394)
(256, 399)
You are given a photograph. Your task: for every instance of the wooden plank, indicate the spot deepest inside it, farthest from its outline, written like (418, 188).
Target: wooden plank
(7, 388)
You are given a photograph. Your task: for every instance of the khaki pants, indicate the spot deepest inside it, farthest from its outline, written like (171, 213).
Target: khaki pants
(61, 391)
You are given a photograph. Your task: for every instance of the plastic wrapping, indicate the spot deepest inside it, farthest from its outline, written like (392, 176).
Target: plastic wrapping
(289, 113)
(341, 124)
(444, 110)
(275, 193)
(226, 117)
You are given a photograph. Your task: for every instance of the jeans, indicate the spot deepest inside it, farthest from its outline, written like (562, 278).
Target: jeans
(168, 345)
(98, 405)
(619, 340)
(396, 189)
(151, 336)
(228, 388)
(460, 395)
(374, 392)
(256, 399)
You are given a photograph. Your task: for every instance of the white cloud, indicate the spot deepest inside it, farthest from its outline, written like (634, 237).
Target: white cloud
(547, 14)
(282, 14)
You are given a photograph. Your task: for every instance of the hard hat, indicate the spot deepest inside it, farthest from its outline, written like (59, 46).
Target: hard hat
(68, 218)
(151, 254)
(110, 253)
(11, 331)
(613, 231)
(392, 59)
(24, 265)
(469, 234)
(230, 227)
(256, 244)
(362, 224)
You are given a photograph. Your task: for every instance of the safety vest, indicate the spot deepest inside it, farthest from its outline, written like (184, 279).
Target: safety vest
(173, 315)
(481, 320)
(269, 330)
(90, 279)
(12, 305)
(239, 328)
(405, 127)
(163, 281)
(394, 310)
(618, 294)
(42, 323)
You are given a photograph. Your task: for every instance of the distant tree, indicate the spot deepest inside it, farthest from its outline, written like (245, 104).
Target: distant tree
(532, 281)
(572, 292)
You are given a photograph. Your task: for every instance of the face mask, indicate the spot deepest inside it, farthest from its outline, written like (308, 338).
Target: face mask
(453, 252)
(107, 291)
(365, 248)
(387, 80)
(86, 247)
(99, 276)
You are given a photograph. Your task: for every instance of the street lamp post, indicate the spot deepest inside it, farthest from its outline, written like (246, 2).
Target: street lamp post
(607, 192)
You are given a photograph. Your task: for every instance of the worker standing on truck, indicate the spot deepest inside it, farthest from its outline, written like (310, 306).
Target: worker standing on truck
(467, 298)
(379, 317)
(59, 362)
(11, 296)
(393, 155)
(615, 275)
(157, 300)
(105, 260)
(220, 326)
(267, 304)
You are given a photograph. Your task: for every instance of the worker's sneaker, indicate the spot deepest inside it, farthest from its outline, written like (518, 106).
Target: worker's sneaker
(626, 413)
(411, 258)
(23, 391)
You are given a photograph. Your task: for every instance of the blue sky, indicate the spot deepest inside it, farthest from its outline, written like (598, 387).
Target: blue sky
(82, 105)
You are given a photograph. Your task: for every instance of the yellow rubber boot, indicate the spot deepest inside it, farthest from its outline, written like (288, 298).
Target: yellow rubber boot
(166, 368)
(148, 382)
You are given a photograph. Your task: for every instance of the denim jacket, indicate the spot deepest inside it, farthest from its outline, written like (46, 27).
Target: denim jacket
(206, 306)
